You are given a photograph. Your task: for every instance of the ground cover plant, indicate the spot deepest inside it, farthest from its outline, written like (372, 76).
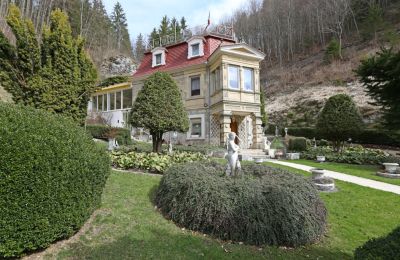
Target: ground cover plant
(262, 206)
(364, 171)
(152, 162)
(351, 155)
(127, 226)
(51, 178)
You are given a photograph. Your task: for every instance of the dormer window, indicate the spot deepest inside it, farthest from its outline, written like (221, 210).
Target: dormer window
(158, 56)
(195, 47)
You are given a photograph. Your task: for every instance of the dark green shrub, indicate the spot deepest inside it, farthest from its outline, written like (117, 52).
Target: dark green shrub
(262, 206)
(51, 178)
(387, 247)
(333, 51)
(339, 120)
(306, 132)
(101, 132)
(298, 144)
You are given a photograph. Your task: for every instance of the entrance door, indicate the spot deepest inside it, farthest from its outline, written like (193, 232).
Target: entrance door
(234, 128)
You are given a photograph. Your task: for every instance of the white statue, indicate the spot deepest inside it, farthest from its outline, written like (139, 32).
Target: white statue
(233, 166)
(267, 144)
(170, 148)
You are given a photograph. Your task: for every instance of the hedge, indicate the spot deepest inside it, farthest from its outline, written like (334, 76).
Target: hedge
(51, 178)
(100, 132)
(264, 205)
(298, 144)
(387, 247)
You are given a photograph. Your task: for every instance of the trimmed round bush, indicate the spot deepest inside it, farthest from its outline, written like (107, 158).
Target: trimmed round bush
(51, 178)
(264, 205)
(387, 247)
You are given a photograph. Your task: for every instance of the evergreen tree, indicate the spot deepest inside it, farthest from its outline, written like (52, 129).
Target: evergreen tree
(339, 120)
(154, 38)
(159, 108)
(164, 27)
(140, 48)
(119, 23)
(57, 76)
(373, 22)
(381, 76)
(183, 23)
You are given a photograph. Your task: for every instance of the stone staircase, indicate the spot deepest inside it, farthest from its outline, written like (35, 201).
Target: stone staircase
(253, 155)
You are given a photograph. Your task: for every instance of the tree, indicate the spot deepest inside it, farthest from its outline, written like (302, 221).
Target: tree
(332, 51)
(373, 22)
(56, 76)
(159, 108)
(183, 23)
(380, 75)
(140, 48)
(339, 120)
(120, 25)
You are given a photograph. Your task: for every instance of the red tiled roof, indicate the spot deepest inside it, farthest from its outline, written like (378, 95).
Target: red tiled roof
(176, 56)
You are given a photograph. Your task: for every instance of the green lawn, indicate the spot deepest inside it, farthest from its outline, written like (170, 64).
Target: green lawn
(127, 226)
(365, 171)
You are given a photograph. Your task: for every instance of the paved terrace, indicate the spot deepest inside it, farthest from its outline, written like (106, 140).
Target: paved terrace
(345, 177)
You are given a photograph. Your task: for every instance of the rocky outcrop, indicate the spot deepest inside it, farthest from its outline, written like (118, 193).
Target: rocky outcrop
(118, 65)
(5, 96)
(301, 105)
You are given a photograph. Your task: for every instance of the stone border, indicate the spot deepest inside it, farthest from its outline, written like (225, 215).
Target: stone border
(389, 175)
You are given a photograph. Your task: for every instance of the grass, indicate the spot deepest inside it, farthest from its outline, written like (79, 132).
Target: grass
(127, 226)
(365, 171)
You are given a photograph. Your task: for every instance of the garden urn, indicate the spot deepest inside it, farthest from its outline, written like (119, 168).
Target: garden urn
(391, 167)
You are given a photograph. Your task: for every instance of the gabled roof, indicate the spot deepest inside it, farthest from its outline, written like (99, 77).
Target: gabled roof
(239, 49)
(177, 54)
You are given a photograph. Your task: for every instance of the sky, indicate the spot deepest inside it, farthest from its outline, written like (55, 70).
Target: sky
(144, 15)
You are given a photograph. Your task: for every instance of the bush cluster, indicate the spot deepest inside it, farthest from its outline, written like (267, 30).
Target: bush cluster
(298, 144)
(51, 178)
(262, 206)
(153, 162)
(351, 155)
(387, 247)
(113, 80)
(101, 132)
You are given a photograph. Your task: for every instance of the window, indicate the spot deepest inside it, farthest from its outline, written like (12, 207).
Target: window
(195, 129)
(248, 79)
(195, 49)
(118, 100)
(105, 103)
(217, 79)
(158, 56)
(213, 82)
(158, 59)
(112, 101)
(127, 96)
(100, 103)
(94, 104)
(233, 77)
(195, 86)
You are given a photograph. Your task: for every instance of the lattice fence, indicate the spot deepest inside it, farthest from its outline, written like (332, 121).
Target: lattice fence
(215, 130)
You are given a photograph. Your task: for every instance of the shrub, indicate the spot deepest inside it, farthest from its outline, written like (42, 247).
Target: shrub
(123, 136)
(277, 143)
(387, 247)
(298, 144)
(351, 155)
(333, 51)
(306, 132)
(262, 206)
(339, 120)
(113, 80)
(153, 162)
(51, 178)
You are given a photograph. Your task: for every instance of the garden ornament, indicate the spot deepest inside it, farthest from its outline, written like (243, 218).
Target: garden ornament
(233, 166)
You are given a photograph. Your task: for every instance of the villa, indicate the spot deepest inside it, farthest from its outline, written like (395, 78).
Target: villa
(219, 82)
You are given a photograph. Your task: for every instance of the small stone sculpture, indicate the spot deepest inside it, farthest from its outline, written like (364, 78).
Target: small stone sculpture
(233, 166)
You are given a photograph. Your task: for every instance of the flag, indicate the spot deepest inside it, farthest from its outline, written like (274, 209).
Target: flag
(209, 18)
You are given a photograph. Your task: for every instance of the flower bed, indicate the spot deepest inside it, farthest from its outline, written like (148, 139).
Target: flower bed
(152, 162)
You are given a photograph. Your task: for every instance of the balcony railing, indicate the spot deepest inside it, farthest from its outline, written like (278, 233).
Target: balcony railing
(223, 31)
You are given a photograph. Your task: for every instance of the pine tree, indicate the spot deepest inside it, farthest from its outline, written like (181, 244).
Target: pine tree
(164, 27)
(139, 48)
(119, 23)
(373, 22)
(183, 23)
